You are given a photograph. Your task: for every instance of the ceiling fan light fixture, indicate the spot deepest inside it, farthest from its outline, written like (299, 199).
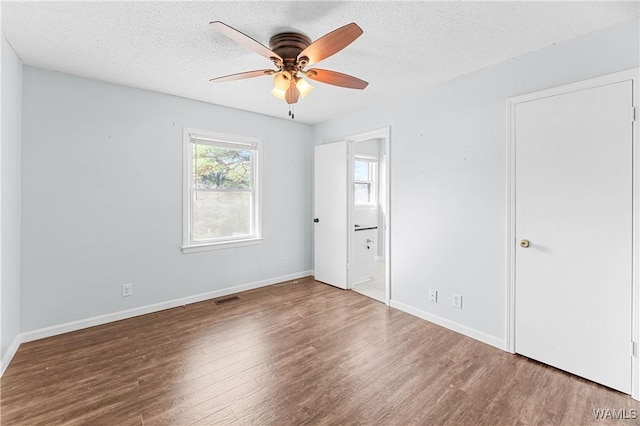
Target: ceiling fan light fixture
(278, 93)
(290, 53)
(304, 87)
(282, 80)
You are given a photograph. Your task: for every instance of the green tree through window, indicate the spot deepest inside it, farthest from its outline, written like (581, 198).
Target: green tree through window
(221, 168)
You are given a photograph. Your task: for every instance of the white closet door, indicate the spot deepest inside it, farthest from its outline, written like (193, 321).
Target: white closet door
(573, 192)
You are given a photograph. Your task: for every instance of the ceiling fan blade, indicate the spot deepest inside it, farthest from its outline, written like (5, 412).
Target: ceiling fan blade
(293, 94)
(244, 40)
(242, 75)
(331, 43)
(336, 78)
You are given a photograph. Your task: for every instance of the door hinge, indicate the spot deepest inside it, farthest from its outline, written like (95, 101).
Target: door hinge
(634, 115)
(632, 348)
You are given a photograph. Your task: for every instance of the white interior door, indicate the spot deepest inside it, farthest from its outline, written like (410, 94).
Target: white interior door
(573, 201)
(331, 214)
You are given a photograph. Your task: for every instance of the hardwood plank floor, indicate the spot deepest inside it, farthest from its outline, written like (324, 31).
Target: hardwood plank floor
(293, 353)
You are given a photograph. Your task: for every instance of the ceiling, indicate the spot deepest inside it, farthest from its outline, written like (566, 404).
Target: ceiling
(169, 47)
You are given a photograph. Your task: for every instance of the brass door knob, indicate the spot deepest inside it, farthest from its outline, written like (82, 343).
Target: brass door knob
(524, 243)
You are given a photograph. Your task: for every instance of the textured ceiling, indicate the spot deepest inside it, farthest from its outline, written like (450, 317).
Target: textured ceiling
(170, 47)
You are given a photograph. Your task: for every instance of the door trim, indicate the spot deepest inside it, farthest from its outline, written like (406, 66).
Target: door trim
(633, 75)
(382, 133)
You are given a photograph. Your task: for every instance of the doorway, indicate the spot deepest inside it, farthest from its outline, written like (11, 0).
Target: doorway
(368, 261)
(369, 215)
(352, 242)
(572, 293)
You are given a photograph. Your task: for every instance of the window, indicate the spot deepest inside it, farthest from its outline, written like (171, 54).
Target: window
(221, 201)
(365, 170)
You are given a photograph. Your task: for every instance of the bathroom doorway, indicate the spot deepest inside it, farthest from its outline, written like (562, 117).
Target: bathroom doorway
(369, 272)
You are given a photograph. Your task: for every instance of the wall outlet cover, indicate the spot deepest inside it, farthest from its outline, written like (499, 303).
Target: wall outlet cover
(126, 290)
(433, 295)
(457, 301)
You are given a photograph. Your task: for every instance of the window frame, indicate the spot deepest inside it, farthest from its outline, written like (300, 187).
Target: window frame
(373, 180)
(223, 140)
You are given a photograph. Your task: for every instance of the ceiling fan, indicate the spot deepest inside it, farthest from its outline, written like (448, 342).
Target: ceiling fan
(291, 53)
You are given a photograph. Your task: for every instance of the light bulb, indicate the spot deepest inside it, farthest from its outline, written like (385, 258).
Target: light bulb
(279, 93)
(304, 87)
(282, 80)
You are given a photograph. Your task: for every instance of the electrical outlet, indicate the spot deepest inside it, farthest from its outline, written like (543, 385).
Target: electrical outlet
(433, 295)
(457, 301)
(285, 261)
(126, 290)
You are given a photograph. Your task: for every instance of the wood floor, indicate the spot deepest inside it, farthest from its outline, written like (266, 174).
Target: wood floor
(290, 354)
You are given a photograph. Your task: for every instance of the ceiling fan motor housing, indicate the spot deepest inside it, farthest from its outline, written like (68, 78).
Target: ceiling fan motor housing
(288, 46)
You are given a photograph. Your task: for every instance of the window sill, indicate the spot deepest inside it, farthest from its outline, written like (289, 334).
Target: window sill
(195, 248)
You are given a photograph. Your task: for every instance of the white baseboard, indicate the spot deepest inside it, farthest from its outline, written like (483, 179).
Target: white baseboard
(11, 351)
(361, 280)
(451, 325)
(147, 309)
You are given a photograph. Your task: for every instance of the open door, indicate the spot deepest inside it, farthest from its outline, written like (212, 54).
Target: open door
(331, 214)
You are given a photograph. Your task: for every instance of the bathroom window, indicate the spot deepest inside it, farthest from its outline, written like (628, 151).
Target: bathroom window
(364, 183)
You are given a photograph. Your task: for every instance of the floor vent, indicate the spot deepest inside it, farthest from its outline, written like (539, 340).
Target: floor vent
(227, 300)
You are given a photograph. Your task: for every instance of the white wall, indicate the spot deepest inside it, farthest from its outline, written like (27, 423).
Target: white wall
(102, 199)
(10, 153)
(448, 175)
(368, 147)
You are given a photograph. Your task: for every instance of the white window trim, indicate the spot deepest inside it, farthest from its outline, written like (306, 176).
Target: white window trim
(373, 182)
(189, 246)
